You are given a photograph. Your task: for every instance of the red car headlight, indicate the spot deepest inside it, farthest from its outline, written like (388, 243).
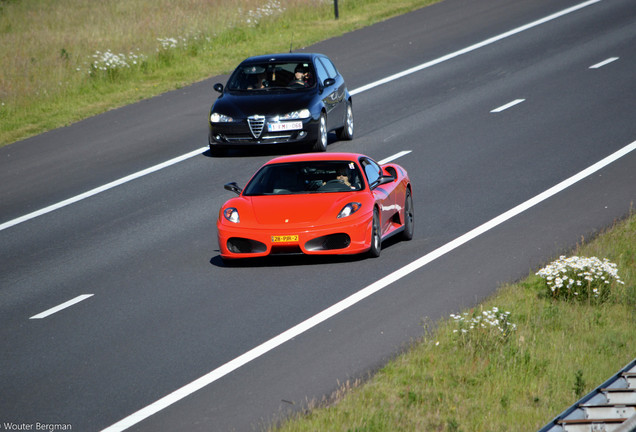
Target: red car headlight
(231, 214)
(349, 209)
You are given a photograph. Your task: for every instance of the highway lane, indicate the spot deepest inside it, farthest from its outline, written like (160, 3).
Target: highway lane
(165, 312)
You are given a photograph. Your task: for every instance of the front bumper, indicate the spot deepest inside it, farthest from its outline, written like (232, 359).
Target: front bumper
(243, 133)
(337, 239)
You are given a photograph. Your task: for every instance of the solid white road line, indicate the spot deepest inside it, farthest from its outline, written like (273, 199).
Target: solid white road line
(116, 183)
(394, 157)
(474, 47)
(64, 305)
(304, 326)
(353, 92)
(604, 62)
(101, 189)
(508, 105)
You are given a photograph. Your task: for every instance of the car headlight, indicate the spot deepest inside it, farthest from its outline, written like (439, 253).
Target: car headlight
(349, 209)
(231, 214)
(296, 115)
(220, 118)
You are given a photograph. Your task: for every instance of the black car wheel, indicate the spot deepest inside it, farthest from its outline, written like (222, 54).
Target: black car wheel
(321, 142)
(346, 132)
(376, 235)
(409, 215)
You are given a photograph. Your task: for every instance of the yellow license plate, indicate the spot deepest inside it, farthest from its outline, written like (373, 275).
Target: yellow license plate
(284, 239)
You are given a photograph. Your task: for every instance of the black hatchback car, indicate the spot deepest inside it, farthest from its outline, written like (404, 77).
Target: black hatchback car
(292, 99)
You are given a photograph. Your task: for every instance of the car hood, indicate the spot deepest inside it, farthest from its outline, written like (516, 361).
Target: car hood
(266, 102)
(293, 210)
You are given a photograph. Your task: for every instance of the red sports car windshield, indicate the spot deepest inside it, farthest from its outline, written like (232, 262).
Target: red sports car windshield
(305, 178)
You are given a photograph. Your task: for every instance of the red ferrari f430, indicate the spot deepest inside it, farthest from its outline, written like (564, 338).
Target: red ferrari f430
(317, 203)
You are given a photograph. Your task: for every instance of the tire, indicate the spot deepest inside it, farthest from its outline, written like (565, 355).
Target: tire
(409, 217)
(376, 235)
(321, 142)
(346, 132)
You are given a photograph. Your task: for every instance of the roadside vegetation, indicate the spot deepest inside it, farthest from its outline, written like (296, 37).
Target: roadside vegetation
(512, 363)
(65, 60)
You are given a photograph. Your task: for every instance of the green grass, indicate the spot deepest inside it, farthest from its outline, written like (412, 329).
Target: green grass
(52, 51)
(484, 380)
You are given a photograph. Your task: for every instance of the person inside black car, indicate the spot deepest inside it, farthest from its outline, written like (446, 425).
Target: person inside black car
(259, 83)
(302, 77)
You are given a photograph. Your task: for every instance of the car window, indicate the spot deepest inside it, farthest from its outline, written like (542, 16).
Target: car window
(305, 178)
(372, 170)
(322, 72)
(267, 76)
(331, 69)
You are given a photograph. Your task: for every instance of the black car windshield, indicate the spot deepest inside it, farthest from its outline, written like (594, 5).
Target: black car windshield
(265, 76)
(305, 178)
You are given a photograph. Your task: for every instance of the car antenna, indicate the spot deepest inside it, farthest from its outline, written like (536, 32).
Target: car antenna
(291, 43)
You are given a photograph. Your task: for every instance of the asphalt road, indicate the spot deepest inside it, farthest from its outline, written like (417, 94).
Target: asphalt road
(164, 312)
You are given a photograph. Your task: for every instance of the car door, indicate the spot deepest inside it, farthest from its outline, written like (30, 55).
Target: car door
(383, 193)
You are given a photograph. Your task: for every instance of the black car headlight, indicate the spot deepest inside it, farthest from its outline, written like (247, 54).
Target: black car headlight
(296, 115)
(220, 118)
(349, 209)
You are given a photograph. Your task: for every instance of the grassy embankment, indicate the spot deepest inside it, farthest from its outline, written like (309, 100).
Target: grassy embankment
(515, 375)
(65, 60)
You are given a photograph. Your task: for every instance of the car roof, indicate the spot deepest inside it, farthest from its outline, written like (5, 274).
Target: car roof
(281, 57)
(308, 157)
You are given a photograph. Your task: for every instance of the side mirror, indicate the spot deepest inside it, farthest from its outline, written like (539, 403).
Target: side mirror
(233, 187)
(382, 180)
(329, 82)
(218, 87)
